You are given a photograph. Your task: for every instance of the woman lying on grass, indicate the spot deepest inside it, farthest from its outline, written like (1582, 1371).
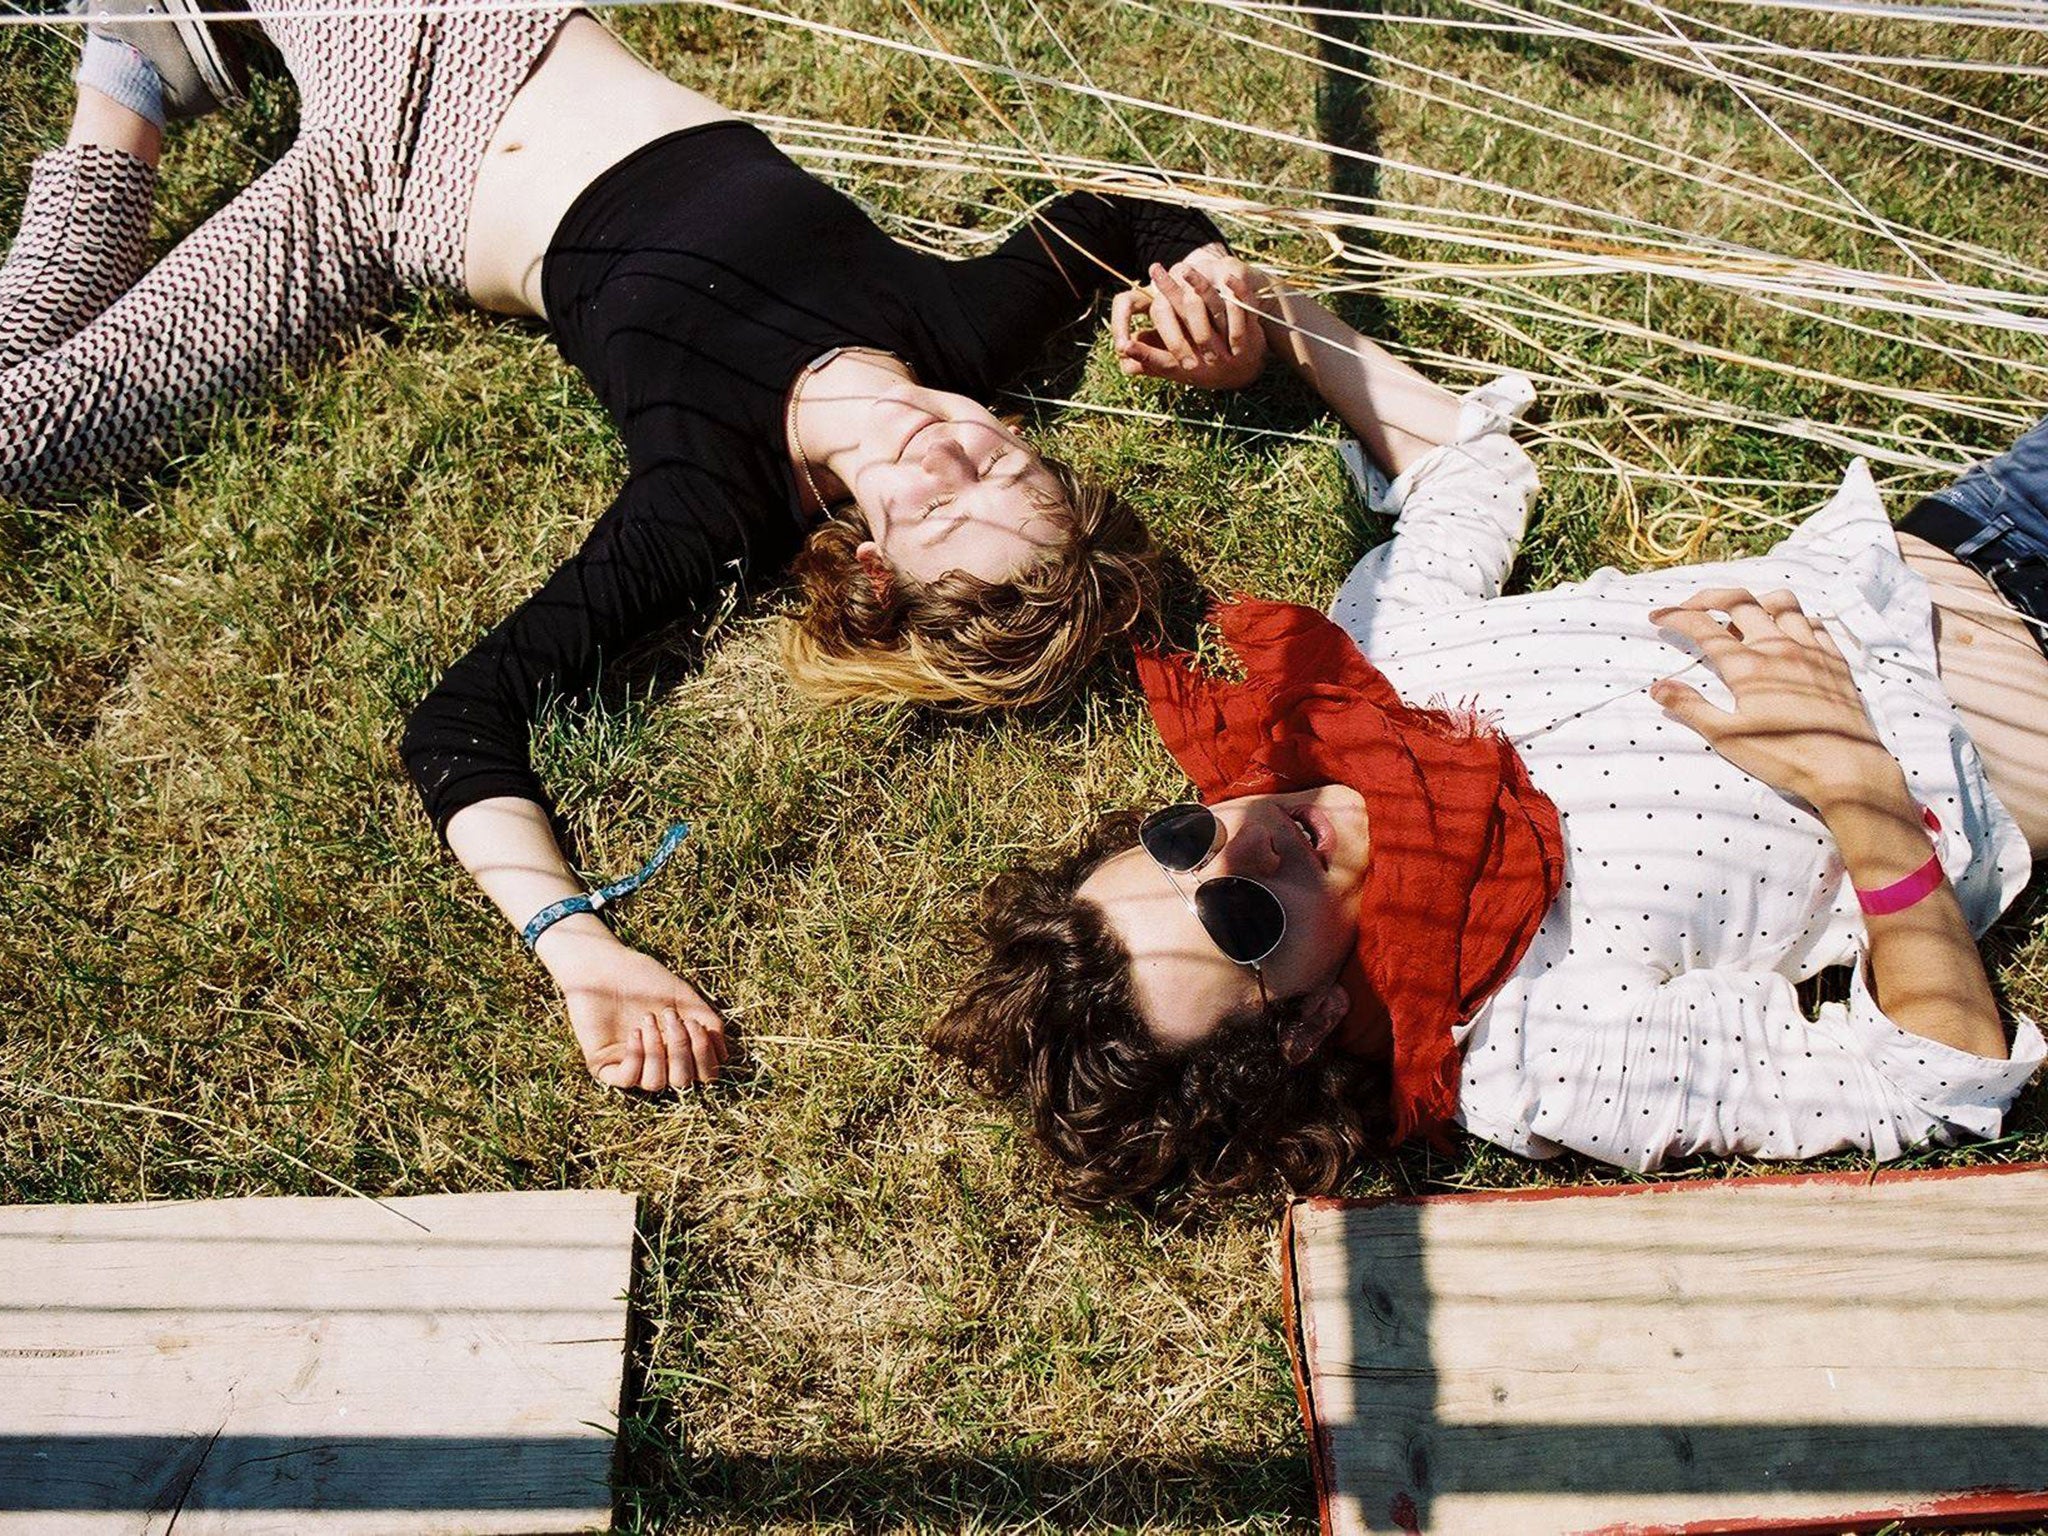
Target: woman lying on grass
(1569, 909)
(795, 389)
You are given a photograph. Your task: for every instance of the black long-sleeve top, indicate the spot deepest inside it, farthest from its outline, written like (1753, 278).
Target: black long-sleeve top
(691, 284)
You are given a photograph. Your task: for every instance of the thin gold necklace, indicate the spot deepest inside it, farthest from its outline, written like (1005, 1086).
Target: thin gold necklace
(796, 391)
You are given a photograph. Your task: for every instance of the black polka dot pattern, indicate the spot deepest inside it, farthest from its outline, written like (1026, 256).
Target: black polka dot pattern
(395, 111)
(1655, 1015)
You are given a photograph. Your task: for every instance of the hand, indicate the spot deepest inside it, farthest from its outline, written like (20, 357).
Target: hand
(1205, 330)
(640, 1025)
(1798, 722)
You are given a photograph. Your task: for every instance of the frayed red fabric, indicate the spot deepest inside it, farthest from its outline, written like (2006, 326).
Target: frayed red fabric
(1466, 853)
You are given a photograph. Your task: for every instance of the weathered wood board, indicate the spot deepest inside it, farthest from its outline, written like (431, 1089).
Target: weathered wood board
(450, 1363)
(1816, 1353)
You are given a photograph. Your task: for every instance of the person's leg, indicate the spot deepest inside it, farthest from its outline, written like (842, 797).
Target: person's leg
(107, 124)
(1997, 675)
(259, 287)
(396, 106)
(84, 233)
(83, 241)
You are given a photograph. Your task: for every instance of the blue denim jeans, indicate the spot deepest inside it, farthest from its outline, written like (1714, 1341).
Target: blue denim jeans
(1995, 519)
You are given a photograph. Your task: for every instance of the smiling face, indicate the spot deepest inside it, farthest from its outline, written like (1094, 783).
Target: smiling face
(1309, 848)
(948, 487)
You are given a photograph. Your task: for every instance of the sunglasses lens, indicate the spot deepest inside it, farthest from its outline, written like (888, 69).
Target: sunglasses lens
(1180, 837)
(1244, 918)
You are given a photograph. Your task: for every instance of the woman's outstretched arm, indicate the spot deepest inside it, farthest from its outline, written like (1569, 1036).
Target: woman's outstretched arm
(1397, 413)
(664, 551)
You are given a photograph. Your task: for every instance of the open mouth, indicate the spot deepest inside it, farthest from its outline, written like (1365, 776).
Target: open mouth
(1315, 830)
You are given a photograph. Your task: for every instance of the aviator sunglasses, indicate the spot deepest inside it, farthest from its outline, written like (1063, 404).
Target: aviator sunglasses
(1242, 918)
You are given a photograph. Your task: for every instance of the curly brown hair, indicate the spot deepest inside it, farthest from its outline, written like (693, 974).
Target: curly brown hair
(1051, 1017)
(960, 640)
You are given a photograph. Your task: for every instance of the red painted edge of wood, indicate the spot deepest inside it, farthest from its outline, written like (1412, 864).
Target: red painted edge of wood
(1669, 1186)
(1297, 1356)
(1963, 1509)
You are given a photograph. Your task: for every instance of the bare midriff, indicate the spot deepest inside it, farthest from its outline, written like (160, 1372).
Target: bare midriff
(1997, 678)
(587, 105)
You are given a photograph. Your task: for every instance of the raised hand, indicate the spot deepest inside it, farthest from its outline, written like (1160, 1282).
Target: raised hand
(1204, 329)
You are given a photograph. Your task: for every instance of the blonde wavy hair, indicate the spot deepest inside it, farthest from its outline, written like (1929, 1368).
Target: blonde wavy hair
(961, 641)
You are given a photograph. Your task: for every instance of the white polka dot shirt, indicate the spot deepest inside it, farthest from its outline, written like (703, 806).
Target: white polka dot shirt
(1654, 1015)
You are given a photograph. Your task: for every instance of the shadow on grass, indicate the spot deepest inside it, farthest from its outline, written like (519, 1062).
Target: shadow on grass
(993, 1490)
(1345, 114)
(1347, 118)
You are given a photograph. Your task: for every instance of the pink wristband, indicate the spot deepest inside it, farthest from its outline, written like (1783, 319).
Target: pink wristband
(1901, 894)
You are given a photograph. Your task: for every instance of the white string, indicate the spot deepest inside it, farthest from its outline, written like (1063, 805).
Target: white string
(2023, 14)
(1646, 44)
(1502, 265)
(1743, 270)
(1930, 130)
(1785, 87)
(1273, 9)
(1696, 170)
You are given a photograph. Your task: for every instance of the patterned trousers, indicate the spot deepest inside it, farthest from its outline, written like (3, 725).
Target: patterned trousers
(372, 198)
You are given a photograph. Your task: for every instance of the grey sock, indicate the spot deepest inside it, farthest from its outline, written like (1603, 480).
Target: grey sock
(116, 70)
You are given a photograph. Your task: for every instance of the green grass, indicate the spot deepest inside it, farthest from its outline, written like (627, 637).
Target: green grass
(860, 1310)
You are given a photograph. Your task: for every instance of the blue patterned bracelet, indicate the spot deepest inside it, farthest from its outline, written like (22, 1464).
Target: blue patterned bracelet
(604, 896)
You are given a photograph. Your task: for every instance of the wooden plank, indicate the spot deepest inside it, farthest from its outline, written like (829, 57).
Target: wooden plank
(448, 1363)
(1819, 1352)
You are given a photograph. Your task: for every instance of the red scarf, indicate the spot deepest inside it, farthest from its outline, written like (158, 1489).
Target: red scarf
(1466, 853)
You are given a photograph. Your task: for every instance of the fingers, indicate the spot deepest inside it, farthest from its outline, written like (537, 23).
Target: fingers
(1122, 310)
(1751, 617)
(696, 1047)
(1150, 359)
(1231, 319)
(1189, 305)
(1689, 707)
(1198, 332)
(707, 1048)
(654, 1057)
(1204, 288)
(1702, 629)
(1242, 325)
(669, 1050)
(1137, 352)
(1783, 607)
(625, 1072)
(1167, 323)
(1751, 620)
(1752, 623)
(676, 1044)
(1747, 618)
(675, 1051)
